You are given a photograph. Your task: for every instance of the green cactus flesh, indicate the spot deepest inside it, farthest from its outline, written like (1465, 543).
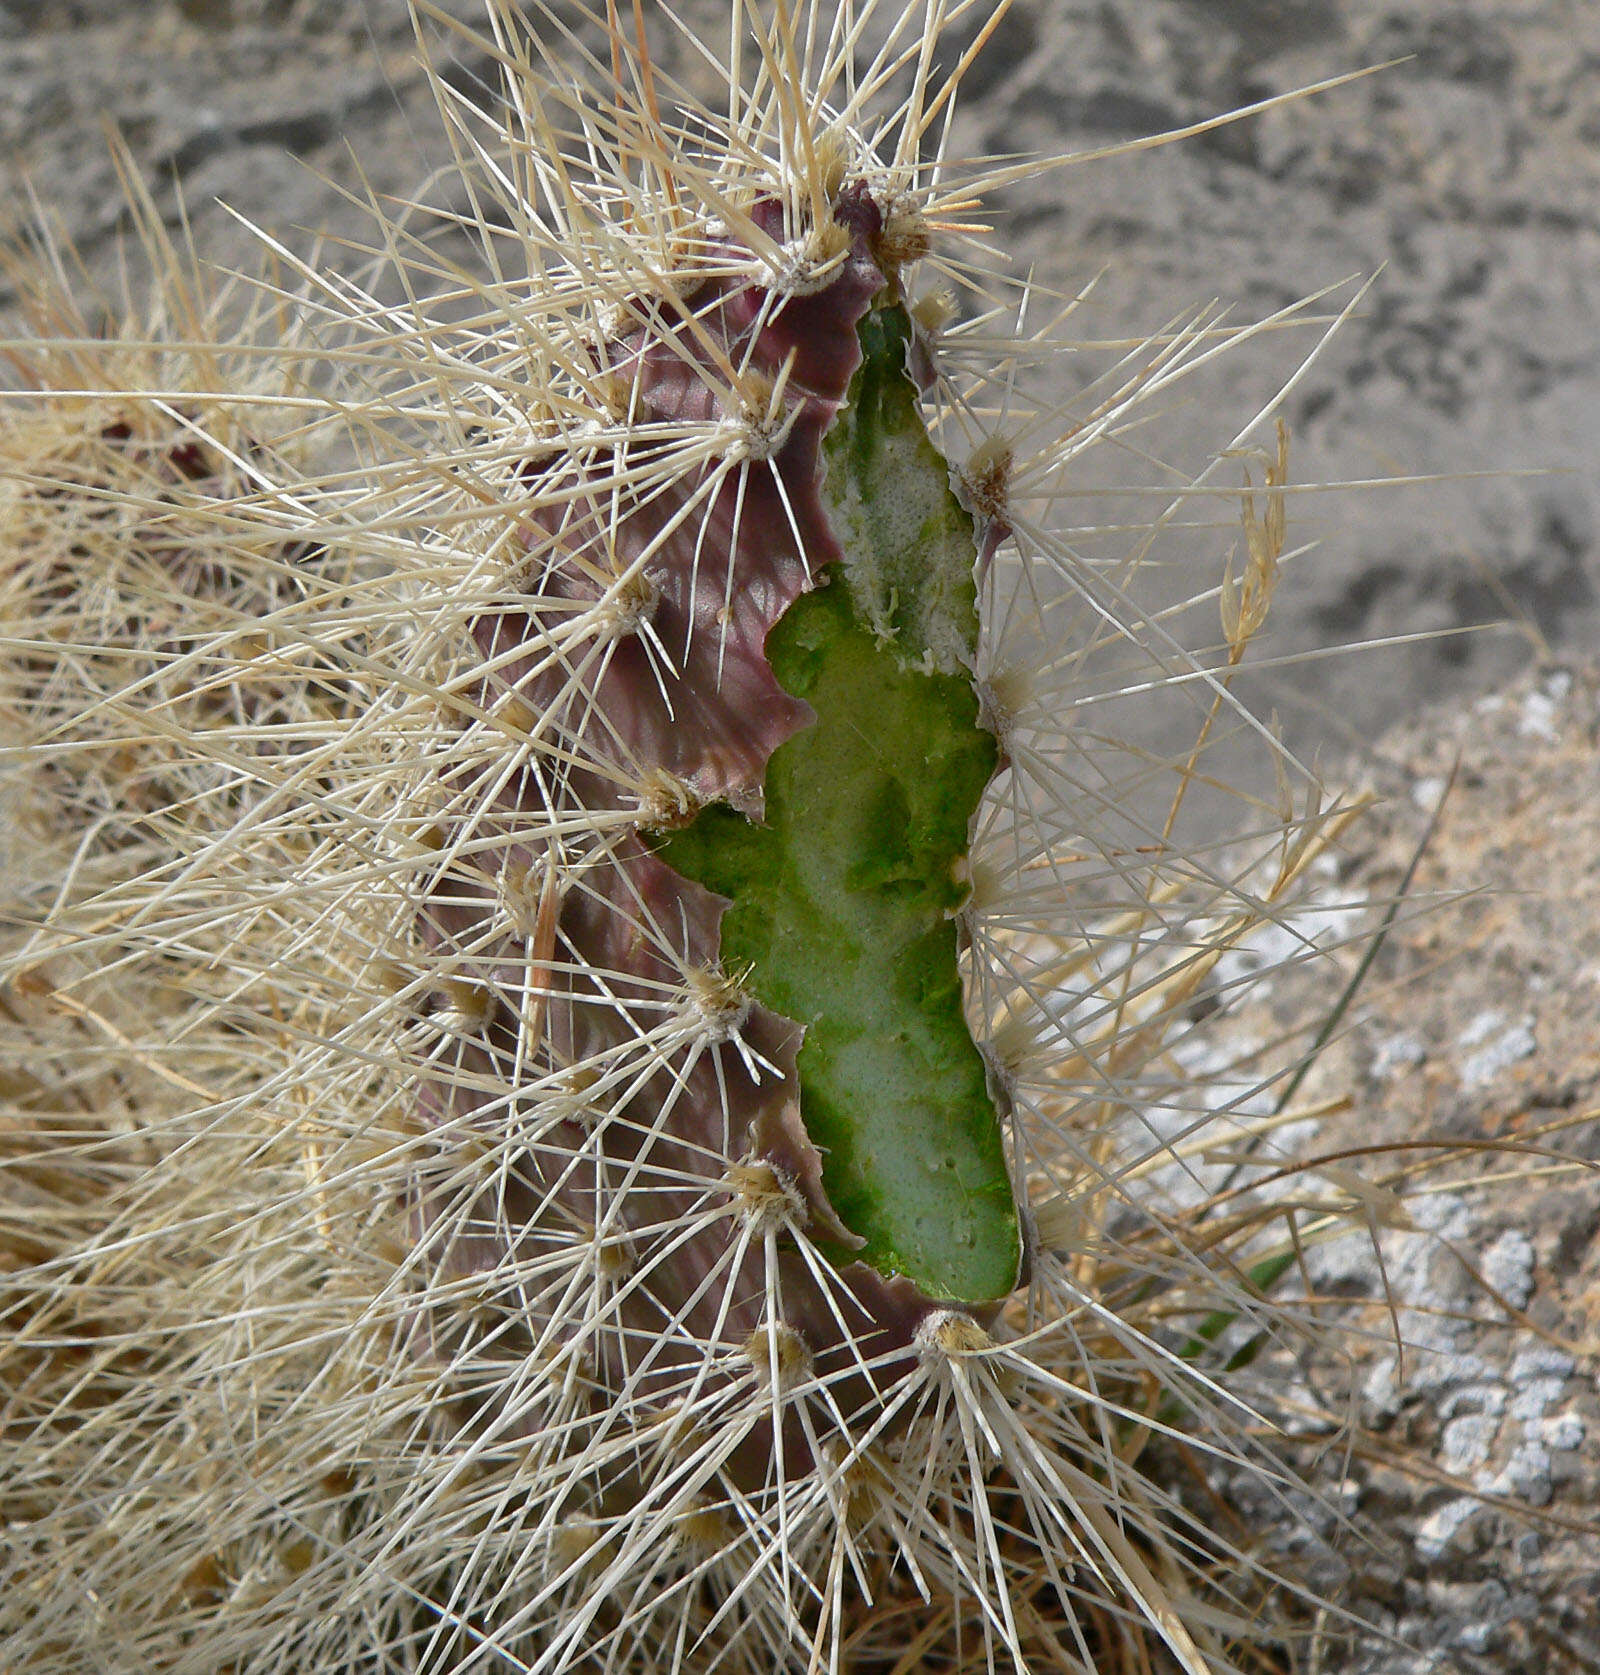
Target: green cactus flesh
(844, 898)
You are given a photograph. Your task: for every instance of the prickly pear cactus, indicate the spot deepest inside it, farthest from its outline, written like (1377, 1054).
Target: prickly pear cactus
(636, 1169)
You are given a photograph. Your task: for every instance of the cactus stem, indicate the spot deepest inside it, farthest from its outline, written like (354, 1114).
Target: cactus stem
(583, 886)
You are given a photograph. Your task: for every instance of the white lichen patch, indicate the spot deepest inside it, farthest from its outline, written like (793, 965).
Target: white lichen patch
(1492, 1043)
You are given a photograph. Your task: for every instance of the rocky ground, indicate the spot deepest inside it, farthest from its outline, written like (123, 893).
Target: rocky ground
(1461, 1476)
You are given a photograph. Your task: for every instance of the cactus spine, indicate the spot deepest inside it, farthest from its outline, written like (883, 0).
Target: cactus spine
(592, 1233)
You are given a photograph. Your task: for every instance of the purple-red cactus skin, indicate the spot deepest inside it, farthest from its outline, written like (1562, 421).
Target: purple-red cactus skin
(667, 705)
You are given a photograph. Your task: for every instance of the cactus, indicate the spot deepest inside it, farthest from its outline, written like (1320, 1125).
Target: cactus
(635, 1091)
(126, 567)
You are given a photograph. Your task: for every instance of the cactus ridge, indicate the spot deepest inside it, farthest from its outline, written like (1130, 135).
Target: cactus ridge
(823, 695)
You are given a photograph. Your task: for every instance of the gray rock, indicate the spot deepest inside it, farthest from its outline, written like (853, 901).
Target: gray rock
(1477, 1440)
(1463, 181)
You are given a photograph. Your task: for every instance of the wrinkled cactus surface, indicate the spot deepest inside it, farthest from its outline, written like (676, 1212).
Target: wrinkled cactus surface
(766, 716)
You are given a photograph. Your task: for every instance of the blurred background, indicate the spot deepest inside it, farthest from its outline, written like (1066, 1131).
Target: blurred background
(1463, 181)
